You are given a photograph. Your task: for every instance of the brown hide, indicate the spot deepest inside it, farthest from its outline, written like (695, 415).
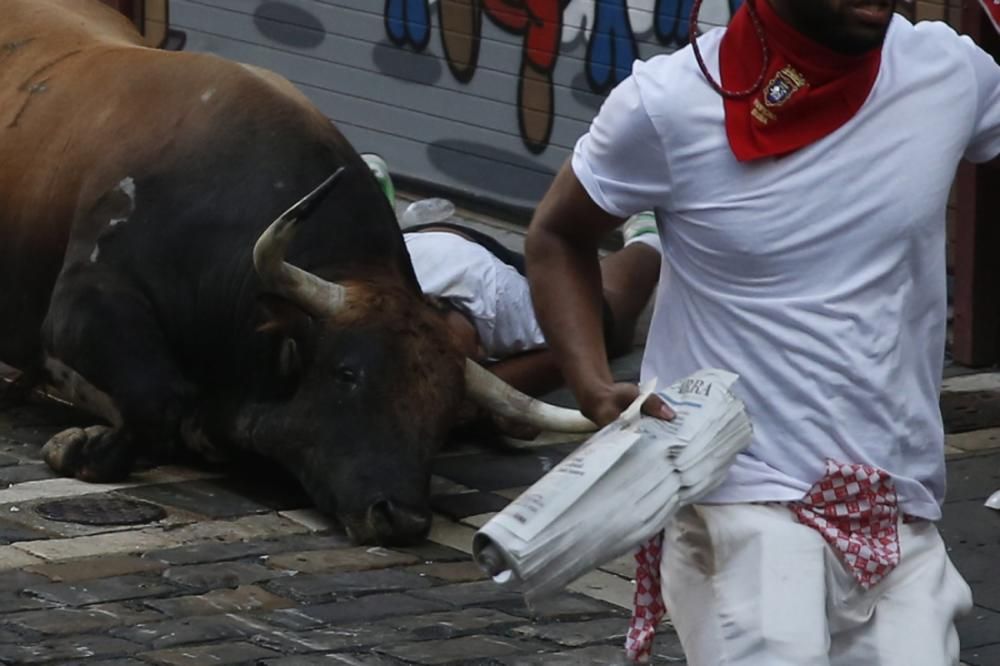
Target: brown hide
(66, 59)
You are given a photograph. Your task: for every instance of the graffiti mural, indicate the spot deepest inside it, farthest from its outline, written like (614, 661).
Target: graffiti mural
(611, 29)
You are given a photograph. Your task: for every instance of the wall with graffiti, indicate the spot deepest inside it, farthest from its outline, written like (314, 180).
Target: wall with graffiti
(482, 97)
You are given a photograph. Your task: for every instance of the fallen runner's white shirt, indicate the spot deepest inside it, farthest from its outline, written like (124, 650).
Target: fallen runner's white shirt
(492, 294)
(819, 277)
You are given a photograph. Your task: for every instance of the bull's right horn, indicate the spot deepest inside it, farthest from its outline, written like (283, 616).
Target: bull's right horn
(311, 292)
(496, 395)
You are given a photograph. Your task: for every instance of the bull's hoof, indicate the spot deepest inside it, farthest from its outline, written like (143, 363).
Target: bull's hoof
(83, 453)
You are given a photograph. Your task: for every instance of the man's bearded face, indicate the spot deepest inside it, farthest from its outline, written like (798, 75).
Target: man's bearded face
(846, 26)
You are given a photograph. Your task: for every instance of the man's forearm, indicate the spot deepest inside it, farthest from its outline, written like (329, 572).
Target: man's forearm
(566, 291)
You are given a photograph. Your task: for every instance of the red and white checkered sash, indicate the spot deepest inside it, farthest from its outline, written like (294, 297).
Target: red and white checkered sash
(855, 509)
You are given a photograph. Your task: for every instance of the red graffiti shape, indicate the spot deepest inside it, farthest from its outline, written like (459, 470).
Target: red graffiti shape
(539, 20)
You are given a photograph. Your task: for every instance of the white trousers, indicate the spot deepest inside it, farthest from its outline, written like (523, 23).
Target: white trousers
(748, 585)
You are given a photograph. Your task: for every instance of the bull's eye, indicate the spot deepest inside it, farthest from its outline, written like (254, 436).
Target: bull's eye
(346, 375)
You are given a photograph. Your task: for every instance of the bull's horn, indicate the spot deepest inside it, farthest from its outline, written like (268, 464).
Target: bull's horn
(501, 398)
(311, 292)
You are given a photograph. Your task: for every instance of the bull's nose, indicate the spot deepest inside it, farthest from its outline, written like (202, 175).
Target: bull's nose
(393, 523)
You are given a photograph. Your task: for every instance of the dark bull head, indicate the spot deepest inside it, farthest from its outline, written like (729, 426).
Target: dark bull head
(372, 380)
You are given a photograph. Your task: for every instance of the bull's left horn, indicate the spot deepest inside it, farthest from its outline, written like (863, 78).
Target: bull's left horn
(496, 395)
(311, 292)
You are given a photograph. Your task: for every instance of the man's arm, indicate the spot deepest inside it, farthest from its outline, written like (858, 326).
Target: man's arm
(561, 251)
(534, 372)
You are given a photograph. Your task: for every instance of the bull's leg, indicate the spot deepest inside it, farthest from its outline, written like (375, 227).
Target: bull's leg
(107, 350)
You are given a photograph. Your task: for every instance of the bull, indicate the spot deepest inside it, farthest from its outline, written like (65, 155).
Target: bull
(152, 271)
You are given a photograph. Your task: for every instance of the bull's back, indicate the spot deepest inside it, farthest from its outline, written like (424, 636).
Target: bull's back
(85, 107)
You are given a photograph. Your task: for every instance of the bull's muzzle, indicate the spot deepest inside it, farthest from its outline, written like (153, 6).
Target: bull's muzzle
(394, 524)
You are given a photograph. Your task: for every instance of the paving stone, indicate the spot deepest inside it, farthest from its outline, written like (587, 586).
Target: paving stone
(512, 493)
(372, 607)
(567, 606)
(601, 655)
(192, 630)
(266, 526)
(332, 660)
(11, 602)
(243, 599)
(321, 639)
(214, 551)
(11, 636)
(207, 498)
(494, 471)
(460, 505)
(15, 581)
(65, 621)
(323, 587)
(606, 587)
(209, 551)
(124, 661)
(963, 411)
(64, 487)
(95, 567)
(452, 535)
(67, 650)
(465, 650)
(576, 634)
(451, 572)
(976, 440)
(478, 520)
(980, 381)
(217, 655)
(120, 588)
(982, 656)
(443, 486)
(13, 557)
(478, 593)
(429, 551)
(449, 624)
(312, 519)
(340, 559)
(110, 543)
(216, 575)
(979, 628)
(28, 472)
(623, 566)
(7, 460)
(276, 493)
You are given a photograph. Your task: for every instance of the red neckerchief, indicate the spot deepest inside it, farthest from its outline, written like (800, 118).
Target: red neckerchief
(809, 91)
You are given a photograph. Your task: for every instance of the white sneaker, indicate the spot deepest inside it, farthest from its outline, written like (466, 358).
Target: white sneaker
(641, 228)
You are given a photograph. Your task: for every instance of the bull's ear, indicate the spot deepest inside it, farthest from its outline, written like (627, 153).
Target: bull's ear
(287, 328)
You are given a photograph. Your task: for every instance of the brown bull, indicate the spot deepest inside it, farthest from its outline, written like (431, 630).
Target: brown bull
(138, 273)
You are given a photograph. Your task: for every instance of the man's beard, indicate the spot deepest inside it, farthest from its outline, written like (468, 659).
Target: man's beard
(834, 29)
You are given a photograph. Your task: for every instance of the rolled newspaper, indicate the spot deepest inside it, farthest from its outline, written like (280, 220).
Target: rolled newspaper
(618, 489)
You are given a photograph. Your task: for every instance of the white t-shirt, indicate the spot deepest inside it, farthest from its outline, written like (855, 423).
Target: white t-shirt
(819, 277)
(491, 293)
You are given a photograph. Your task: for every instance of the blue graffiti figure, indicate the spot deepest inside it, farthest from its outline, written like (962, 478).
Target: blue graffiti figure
(672, 22)
(408, 21)
(612, 48)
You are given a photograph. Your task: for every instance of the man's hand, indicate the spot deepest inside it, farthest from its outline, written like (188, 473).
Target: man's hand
(604, 404)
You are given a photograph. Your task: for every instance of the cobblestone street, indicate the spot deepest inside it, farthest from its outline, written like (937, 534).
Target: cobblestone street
(238, 569)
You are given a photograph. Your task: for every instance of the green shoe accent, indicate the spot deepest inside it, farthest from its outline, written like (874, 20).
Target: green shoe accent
(639, 225)
(381, 172)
